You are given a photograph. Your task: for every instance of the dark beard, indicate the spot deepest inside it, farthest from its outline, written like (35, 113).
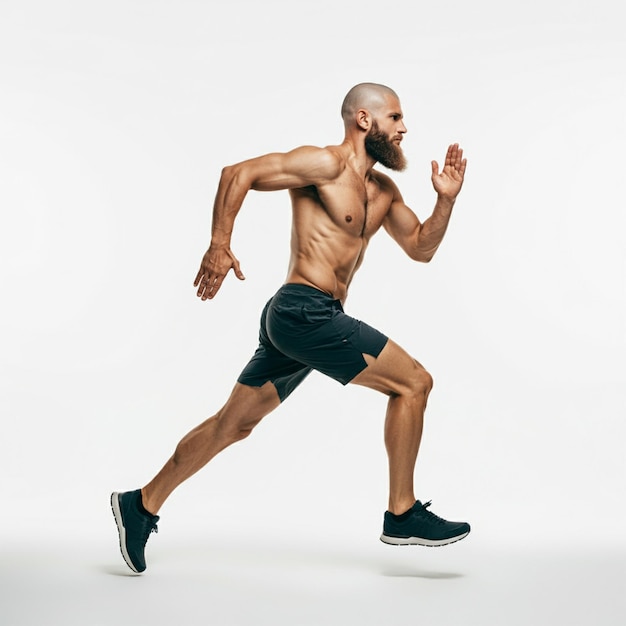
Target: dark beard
(381, 148)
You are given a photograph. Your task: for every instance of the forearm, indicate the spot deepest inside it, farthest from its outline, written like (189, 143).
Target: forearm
(228, 200)
(432, 231)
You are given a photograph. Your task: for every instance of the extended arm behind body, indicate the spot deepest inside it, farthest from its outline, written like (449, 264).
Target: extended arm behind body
(301, 167)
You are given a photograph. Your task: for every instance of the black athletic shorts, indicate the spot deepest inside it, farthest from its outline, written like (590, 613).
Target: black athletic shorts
(303, 328)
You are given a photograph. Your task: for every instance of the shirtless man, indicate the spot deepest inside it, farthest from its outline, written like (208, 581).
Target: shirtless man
(339, 201)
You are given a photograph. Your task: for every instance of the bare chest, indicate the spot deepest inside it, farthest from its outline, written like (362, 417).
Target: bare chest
(356, 207)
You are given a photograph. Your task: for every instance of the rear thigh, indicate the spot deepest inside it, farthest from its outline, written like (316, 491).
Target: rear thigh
(248, 405)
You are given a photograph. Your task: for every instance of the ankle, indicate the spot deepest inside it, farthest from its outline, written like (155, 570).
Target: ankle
(399, 507)
(146, 504)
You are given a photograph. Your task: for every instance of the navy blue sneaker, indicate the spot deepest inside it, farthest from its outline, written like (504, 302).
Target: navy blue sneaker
(419, 527)
(134, 526)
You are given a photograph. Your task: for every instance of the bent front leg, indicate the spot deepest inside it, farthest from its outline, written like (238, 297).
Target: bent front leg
(407, 383)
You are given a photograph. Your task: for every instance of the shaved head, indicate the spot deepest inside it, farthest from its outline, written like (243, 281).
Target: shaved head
(383, 131)
(368, 96)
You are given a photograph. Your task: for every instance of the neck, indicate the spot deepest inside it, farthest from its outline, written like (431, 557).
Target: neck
(357, 156)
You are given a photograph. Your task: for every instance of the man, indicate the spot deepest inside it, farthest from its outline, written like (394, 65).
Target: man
(339, 201)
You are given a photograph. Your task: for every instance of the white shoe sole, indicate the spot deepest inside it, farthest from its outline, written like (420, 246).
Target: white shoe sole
(418, 541)
(117, 514)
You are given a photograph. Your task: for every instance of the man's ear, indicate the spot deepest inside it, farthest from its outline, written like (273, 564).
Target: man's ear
(363, 119)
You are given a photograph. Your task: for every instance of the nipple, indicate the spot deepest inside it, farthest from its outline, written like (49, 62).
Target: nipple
(348, 218)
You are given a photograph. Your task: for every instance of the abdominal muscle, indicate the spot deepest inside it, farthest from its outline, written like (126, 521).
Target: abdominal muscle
(320, 276)
(323, 255)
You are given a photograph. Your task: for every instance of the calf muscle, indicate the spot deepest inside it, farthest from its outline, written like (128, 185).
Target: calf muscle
(244, 409)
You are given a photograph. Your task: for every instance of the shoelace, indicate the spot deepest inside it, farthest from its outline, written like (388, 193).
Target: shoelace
(150, 527)
(432, 516)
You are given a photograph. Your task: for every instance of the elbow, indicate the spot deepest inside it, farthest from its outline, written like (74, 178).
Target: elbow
(228, 172)
(422, 256)
(422, 250)
(235, 176)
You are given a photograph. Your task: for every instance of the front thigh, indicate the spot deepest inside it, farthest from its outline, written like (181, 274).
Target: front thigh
(393, 372)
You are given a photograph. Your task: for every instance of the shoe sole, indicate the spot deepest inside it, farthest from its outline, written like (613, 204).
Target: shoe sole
(419, 541)
(121, 530)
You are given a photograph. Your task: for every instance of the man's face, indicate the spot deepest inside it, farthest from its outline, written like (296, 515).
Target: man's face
(383, 144)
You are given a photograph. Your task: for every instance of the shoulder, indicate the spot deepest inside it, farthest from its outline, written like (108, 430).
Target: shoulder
(300, 167)
(321, 162)
(383, 180)
(386, 184)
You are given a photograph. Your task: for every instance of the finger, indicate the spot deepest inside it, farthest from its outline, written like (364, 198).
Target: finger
(237, 270)
(435, 167)
(451, 154)
(201, 289)
(213, 288)
(463, 166)
(204, 286)
(459, 158)
(198, 278)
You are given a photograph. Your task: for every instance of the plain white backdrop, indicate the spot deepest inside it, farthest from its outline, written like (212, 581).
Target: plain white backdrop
(115, 120)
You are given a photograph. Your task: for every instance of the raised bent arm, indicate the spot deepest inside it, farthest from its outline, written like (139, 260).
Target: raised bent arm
(272, 172)
(421, 240)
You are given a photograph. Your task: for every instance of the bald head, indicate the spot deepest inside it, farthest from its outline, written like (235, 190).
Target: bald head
(370, 96)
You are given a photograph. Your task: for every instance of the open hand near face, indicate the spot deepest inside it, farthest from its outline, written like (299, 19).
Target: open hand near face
(448, 183)
(216, 263)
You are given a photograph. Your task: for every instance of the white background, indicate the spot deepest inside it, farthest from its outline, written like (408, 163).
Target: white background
(115, 120)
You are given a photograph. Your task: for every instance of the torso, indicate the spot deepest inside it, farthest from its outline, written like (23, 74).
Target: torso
(331, 228)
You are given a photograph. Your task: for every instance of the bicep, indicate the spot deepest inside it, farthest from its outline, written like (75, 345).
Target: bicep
(299, 168)
(402, 225)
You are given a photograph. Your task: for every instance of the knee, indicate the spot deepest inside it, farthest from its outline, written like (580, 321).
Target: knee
(427, 380)
(421, 382)
(235, 429)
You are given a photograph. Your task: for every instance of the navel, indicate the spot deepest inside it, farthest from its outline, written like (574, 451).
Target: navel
(348, 218)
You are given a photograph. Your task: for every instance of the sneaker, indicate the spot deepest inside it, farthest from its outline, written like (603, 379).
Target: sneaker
(419, 527)
(134, 527)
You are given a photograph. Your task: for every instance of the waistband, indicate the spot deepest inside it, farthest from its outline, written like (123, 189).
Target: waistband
(298, 289)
